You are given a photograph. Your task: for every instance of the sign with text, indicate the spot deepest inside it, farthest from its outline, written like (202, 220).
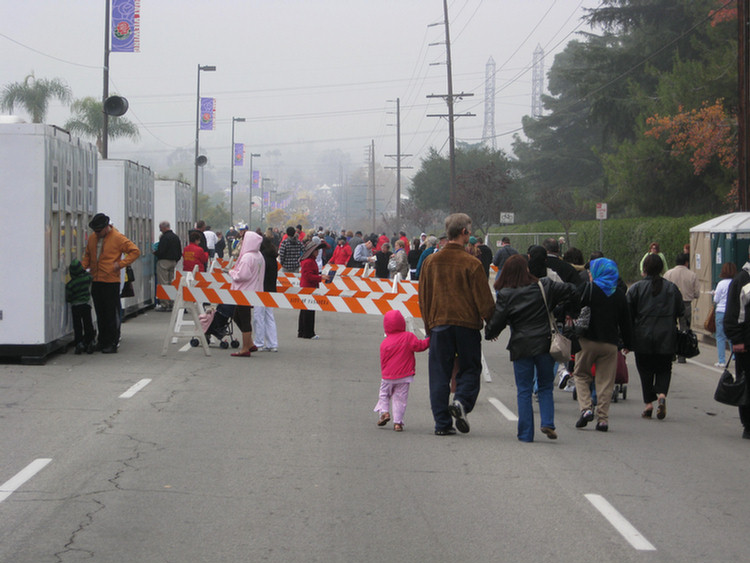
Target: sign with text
(601, 211)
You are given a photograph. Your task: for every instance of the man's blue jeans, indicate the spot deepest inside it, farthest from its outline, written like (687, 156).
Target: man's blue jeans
(449, 344)
(524, 372)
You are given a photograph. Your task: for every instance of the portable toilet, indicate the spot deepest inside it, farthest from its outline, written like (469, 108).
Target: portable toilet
(712, 244)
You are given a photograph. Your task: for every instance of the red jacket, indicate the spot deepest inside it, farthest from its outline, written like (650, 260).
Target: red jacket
(341, 254)
(193, 255)
(308, 273)
(397, 350)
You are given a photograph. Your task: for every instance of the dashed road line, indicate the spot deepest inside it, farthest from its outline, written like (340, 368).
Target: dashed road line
(505, 411)
(135, 388)
(12, 484)
(625, 528)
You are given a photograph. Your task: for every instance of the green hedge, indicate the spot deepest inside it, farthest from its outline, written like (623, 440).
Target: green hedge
(623, 240)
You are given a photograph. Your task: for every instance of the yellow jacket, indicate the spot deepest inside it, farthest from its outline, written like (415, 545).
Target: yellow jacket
(115, 245)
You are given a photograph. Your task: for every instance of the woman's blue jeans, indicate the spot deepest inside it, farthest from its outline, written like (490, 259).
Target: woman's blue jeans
(721, 338)
(524, 369)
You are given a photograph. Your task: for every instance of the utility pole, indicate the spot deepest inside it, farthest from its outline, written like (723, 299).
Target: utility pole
(105, 90)
(372, 181)
(450, 98)
(398, 156)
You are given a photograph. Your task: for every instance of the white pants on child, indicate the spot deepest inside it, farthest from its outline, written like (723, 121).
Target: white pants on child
(264, 327)
(396, 391)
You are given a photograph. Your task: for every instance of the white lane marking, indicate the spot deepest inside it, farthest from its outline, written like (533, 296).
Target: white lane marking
(486, 370)
(135, 388)
(625, 528)
(505, 411)
(10, 486)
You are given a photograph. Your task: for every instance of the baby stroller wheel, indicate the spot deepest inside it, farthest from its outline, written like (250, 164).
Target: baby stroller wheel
(624, 392)
(235, 343)
(575, 394)
(194, 342)
(223, 345)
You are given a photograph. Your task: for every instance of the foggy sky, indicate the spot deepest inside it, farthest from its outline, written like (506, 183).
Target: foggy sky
(308, 76)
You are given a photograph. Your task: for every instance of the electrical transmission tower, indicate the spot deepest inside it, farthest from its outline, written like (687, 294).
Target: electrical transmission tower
(488, 132)
(537, 82)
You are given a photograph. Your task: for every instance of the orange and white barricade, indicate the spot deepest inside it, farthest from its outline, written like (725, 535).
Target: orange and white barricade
(177, 320)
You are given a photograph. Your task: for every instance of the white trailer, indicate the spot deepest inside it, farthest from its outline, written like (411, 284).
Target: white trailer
(126, 195)
(47, 197)
(173, 202)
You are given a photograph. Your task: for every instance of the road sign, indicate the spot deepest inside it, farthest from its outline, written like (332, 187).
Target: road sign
(601, 211)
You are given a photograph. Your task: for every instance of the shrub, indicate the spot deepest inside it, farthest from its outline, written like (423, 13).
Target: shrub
(623, 240)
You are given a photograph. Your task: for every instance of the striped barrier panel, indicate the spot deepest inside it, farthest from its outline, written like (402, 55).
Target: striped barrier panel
(409, 306)
(343, 283)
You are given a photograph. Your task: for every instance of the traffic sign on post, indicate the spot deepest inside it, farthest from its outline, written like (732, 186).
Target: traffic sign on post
(601, 211)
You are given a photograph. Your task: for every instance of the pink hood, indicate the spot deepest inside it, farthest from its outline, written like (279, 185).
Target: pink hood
(248, 272)
(394, 322)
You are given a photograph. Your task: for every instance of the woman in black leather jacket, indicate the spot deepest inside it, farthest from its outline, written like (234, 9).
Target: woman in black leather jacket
(520, 304)
(655, 305)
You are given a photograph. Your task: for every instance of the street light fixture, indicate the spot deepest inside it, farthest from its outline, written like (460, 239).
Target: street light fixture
(250, 213)
(206, 68)
(231, 174)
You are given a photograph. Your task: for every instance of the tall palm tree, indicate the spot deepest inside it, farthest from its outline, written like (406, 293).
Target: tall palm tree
(34, 95)
(88, 121)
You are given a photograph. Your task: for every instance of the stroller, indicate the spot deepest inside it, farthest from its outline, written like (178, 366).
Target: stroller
(621, 380)
(218, 323)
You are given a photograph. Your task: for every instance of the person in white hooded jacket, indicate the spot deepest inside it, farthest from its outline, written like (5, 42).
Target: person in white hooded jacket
(247, 275)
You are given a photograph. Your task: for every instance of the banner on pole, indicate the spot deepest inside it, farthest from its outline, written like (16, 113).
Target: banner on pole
(239, 154)
(208, 114)
(126, 26)
(256, 178)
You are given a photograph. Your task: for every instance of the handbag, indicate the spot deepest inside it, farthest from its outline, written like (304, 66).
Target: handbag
(581, 324)
(710, 323)
(731, 390)
(129, 274)
(687, 344)
(559, 347)
(127, 290)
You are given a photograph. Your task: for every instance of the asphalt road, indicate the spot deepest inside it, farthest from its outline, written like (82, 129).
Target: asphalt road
(278, 458)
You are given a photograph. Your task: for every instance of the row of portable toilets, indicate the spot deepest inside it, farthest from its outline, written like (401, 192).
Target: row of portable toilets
(52, 184)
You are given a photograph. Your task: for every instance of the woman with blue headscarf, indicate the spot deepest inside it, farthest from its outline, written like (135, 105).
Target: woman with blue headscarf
(608, 326)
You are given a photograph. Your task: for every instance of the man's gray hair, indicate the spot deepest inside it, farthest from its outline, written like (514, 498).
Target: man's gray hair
(164, 225)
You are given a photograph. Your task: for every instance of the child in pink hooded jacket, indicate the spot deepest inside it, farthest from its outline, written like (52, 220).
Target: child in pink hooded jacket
(397, 365)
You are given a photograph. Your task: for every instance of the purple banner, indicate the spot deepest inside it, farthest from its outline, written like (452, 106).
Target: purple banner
(239, 154)
(126, 26)
(208, 111)
(256, 178)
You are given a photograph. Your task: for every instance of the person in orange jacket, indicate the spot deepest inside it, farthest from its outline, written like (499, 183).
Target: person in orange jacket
(103, 257)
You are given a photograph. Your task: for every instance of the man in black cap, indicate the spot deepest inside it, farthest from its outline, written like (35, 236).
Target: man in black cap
(103, 258)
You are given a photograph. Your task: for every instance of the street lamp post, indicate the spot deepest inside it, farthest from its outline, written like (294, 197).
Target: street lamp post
(231, 174)
(250, 206)
(206, 68)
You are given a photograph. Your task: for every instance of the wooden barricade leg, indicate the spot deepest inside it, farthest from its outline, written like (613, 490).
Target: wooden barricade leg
(176, 321)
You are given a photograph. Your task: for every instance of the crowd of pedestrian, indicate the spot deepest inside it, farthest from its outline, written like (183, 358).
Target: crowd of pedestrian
(586, 300)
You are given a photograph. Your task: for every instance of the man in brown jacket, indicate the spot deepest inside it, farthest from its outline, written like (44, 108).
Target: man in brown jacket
(454, 298)
(103, 258)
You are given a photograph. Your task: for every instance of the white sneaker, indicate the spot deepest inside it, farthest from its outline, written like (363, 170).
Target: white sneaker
(315, 337)
(260, 348)
(272, 349)
(719, 365)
